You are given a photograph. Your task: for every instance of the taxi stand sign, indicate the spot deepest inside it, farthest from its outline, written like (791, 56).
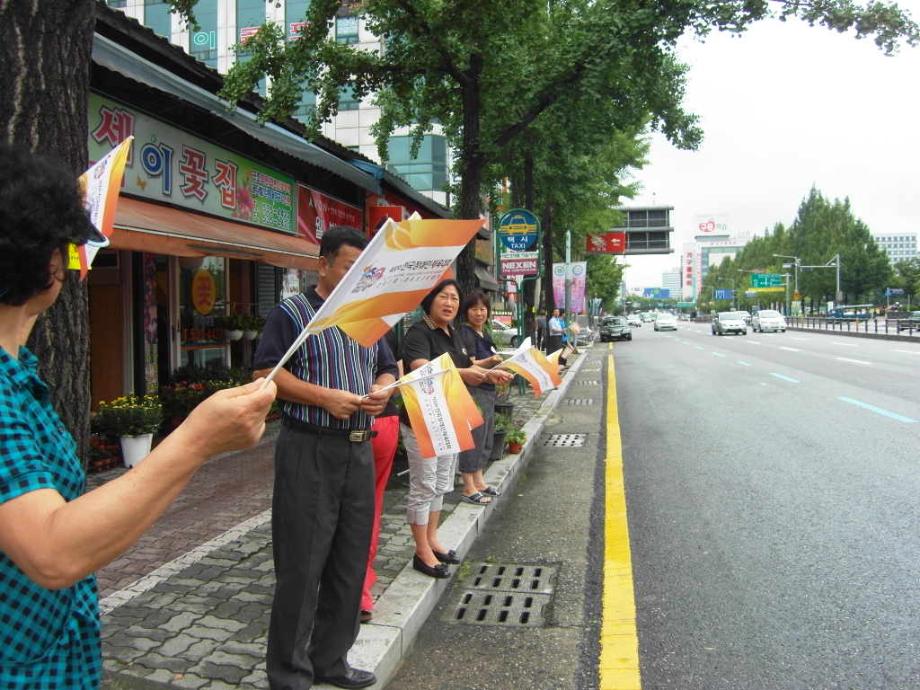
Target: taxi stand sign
(519, 243)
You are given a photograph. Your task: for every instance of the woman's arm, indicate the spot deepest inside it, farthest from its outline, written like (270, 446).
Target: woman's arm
(56, 543)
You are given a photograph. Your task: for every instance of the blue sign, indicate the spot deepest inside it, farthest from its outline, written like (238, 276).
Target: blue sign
(894, 292)
(519, 230)
(657, 293)
(725, 294)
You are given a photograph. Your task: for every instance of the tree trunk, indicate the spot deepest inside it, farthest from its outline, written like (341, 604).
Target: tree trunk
(547, 222)
(470, 170)
(44, 88)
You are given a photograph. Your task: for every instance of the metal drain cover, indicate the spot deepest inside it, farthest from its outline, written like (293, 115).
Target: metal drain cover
(566, 440)
(506, 594)
(579, 401)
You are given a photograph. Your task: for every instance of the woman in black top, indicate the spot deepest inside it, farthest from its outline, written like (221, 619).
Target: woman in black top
(431, 478)
(476, 312)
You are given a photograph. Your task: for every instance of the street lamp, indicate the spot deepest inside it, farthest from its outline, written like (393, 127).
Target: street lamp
(834, 262)
(796, 262)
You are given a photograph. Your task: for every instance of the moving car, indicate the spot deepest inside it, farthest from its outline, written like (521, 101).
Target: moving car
(729, 322)
(747, 316)
(615, 328)
(665, 322)
(634, 320)
(911, 323)
(768, 320)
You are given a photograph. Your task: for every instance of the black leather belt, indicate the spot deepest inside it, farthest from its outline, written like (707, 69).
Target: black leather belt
(353, 435)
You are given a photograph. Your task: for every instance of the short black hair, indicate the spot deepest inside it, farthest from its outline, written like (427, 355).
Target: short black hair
(337, 236)
(41, 210)
(474, 298)
(429, 298)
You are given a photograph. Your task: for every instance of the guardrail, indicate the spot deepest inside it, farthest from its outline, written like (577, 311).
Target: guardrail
(874, 325)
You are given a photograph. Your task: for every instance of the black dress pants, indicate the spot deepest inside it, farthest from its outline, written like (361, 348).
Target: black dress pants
(322, 513)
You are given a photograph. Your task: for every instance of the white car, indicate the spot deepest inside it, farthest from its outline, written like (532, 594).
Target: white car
(768, 320)
(504, 336)
(729, 322)
(634, 320)
(665, 322)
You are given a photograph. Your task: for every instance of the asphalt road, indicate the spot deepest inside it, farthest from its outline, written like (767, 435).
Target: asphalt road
(772, 488)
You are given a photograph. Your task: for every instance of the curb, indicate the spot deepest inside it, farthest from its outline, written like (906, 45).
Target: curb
(407, 603)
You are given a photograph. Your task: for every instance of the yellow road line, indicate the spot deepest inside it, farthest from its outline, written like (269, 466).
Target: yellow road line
(619, 663)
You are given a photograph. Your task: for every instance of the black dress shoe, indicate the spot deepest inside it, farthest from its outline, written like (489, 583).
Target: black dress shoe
(355, 678)
(449, 557)
(439, 570)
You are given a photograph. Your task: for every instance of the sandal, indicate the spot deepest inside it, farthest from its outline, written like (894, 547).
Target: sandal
(477, 499)
(491, 491)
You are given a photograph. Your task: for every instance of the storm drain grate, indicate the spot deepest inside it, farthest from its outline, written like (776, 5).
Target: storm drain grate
(506, 594)
(565, 440)
(579, 401)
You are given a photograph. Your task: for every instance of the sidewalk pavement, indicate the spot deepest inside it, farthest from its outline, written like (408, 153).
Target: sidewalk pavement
(188, 606)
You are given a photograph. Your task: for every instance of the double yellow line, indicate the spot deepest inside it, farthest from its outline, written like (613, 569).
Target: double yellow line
(619, 662)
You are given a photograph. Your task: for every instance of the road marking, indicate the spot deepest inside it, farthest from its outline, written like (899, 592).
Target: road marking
(783, 377)
(717, 354)
(794, 338)
(699, 347)
(834, 342)
(909, 352)
(854, 361)
(753, 342)
(743, 363)
(789, 349)
(878, 410)
(619, 660)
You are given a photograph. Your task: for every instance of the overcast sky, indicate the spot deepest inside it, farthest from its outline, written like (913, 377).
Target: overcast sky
(785, 107)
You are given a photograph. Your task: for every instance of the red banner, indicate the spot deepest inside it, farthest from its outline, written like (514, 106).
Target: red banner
(317, 212)
(606, 243)
(376, 215)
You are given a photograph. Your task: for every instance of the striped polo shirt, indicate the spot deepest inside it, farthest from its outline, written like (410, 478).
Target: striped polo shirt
(330, 359)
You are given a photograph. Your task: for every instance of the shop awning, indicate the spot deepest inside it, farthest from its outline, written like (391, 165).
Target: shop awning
(142, 226)
(486, 279)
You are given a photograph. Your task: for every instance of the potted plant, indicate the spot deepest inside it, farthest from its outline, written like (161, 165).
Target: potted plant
(502, 423)
(233, 325)
(133, 420)
(515, 439)
(252, 326)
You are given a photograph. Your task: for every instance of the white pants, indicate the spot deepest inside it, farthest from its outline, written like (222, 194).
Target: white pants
(429, 480)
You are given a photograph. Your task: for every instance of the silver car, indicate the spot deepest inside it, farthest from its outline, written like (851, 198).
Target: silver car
(729, 322)
(665, 322)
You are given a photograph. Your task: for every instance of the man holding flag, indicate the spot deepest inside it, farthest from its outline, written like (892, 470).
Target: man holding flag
(323, 504)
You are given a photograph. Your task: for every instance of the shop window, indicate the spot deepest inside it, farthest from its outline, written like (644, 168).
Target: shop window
(203, 42)
(156, 17)
(295, 12)
(202, 301)
(428, 170)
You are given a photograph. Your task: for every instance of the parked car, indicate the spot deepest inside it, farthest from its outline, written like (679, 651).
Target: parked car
(768, 320)
(504, 336)
(615, 328)
(586, 335)
(729, 322)
(634, 320)
(911, 323)
(665, 322)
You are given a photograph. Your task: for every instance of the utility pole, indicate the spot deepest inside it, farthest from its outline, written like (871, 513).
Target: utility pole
(568, 271)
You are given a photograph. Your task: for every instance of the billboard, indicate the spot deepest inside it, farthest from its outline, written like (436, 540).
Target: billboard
(606, 243)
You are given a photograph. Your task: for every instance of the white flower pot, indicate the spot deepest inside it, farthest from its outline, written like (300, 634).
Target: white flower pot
(135, 448)
(234, 335)
(251, 335)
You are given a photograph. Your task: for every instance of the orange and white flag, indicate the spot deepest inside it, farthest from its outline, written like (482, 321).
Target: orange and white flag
(529, 362)
(441, 411)
(100, 185)
(399, 266)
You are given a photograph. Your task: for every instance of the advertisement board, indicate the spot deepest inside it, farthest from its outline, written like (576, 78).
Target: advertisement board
(606, 243)
(317, 212)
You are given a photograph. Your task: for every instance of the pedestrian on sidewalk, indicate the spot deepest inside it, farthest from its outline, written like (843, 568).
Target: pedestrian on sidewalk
(53, 536)
(386, 426)
(476, 311)
(323, 501)
(541, 332)
(431, 478)
(556, 331)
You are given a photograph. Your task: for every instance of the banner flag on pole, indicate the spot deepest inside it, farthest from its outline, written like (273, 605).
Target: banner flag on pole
(533, 365)
(399, 266)
(441, 411)
(100, 185)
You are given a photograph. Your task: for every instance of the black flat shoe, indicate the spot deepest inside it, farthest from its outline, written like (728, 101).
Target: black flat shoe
(439, 570)
(449, 557)
(355, 678)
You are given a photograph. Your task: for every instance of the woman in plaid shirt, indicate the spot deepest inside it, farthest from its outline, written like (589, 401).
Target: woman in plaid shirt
(52, 535)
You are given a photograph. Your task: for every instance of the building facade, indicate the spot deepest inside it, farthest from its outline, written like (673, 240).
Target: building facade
(898, 246)
(225, 23)
(670, 281)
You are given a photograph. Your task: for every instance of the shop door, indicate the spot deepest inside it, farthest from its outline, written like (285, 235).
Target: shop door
(202, 302)
(106, 328)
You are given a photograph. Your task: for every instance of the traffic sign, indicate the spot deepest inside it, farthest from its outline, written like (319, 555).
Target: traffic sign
(725, 294)
(766, 280)
(519, 230)
(520, 263)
